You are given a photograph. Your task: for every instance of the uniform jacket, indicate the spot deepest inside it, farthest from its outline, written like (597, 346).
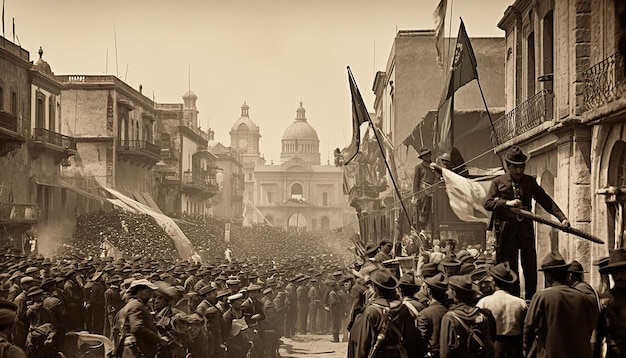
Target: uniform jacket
(137, 324)
(502, 189)
(559, 322)
(612, 324)
(429, 324)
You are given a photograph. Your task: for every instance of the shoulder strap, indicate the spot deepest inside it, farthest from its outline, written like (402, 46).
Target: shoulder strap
(412, 309)
(382, 331)
(467, 328)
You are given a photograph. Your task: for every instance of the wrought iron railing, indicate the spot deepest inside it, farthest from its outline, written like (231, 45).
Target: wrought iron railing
(140, 145)
(526, 116)
(18, 212)
(8, 121)
(604, 81)
(54, 138)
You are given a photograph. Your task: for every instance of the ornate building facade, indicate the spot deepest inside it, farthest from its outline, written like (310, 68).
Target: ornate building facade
(298, 192)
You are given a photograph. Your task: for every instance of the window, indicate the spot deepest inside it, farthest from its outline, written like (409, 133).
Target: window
(51, 113)
(548, 49)
(531, 66)
(40, 114)
(325, 199)
(296, 191)
(14, 103)
(269, 197)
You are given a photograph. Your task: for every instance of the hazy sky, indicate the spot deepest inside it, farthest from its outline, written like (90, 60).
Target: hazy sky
(271, 54)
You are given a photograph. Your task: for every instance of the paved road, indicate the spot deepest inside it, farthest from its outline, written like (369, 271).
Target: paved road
(312, 345)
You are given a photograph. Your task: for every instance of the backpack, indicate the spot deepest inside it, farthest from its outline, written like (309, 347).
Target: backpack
(476, 343)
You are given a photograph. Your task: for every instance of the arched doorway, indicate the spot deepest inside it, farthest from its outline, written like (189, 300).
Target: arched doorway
(615, 200)
(296, 191)
(297, 220)
(325, 223)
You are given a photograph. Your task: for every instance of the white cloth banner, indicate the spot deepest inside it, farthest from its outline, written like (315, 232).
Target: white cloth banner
(467, 197)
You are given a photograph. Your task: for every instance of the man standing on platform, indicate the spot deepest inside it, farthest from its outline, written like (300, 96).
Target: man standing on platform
(423, 179)
(515, 233)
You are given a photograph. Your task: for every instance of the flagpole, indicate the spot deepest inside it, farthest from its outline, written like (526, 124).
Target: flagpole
(495, 134)
(382, 152)
(393, 180)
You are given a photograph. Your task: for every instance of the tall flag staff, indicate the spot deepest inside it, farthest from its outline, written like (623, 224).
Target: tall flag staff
(361, 115)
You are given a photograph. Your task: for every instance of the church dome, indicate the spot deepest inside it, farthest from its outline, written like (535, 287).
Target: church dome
(244, 120)
(300, 129)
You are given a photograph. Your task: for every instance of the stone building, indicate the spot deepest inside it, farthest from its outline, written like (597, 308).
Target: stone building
(565, 107)
(407, 95)
(228, 203)
(187, 171)
(114, 127)
(298, 192)
(32, 150)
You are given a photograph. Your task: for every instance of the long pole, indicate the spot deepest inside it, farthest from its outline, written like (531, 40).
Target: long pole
(495, 134)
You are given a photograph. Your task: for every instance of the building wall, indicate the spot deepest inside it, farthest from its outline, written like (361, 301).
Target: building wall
(84, 113)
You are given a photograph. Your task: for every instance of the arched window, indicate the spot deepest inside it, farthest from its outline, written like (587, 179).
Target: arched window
(40, 111)
(296, 191)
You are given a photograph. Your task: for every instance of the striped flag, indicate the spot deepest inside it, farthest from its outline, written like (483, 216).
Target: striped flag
(467, 197)
(440, 20)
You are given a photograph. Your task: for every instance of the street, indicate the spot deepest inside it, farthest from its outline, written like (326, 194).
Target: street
(312, 344)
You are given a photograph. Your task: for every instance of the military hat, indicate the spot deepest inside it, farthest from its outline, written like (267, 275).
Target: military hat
(502, 272)
(463, 283)
(438, 282)
(206, 290)
(429, 269)
(384, 279)
(142, 283)
(234, 297)
(422, 152)
(34, 291)
(576, 267)
(222, 292)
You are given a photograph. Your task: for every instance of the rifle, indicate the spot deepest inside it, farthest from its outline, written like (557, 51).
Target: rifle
(556, 225)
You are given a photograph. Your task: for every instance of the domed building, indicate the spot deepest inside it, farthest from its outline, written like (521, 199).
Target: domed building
(299, 191)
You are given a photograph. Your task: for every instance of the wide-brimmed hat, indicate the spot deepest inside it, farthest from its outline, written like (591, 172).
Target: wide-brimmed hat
(502, 272)
(423, 151)
(552, 261)
(463, 283)
(576, 267)
(617, 258)
(142, 283)
(34, 291)
(515, 156)
(409, 280)
(371, 248)
(438, 282)
(429, 269)
(384, 279)
(8, 312)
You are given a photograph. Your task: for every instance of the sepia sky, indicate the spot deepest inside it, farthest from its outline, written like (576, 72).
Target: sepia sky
(270, 53)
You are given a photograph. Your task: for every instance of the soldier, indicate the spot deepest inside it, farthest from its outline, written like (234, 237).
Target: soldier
(234, 329)
(424, 178)
(429, 319)
(112, 305)
(466, 330)
(291, 308)
(8, 315)
(612, 325)
(386, 328)
(315, 302)
(94, 303)
(560, 319)
(139, 335)
(303, 305)
(20, 328)
(514, 234)
(271, 326)
(212, 317)
(252, 309)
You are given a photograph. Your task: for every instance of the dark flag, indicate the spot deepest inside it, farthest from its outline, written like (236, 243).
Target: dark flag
(359, 116)
(3, 18)
(462, 70)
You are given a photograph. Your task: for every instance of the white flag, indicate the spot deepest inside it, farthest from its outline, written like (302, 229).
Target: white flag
(466, 197)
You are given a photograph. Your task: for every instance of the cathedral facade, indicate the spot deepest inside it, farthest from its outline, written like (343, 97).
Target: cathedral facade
(299, 191)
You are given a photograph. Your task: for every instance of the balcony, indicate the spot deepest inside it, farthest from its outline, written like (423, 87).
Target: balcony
(604, 82)
(521, 119)
(58, 145)
(18, 213)
(10, 137)
(198, 182)
(139, 152)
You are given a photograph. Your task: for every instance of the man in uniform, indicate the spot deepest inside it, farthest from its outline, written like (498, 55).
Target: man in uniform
(612, 324)
(138, 328)
(515, 233)
(212, 317)
(8, 314)
(560, 319)
(429, 319)
(423, 178)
